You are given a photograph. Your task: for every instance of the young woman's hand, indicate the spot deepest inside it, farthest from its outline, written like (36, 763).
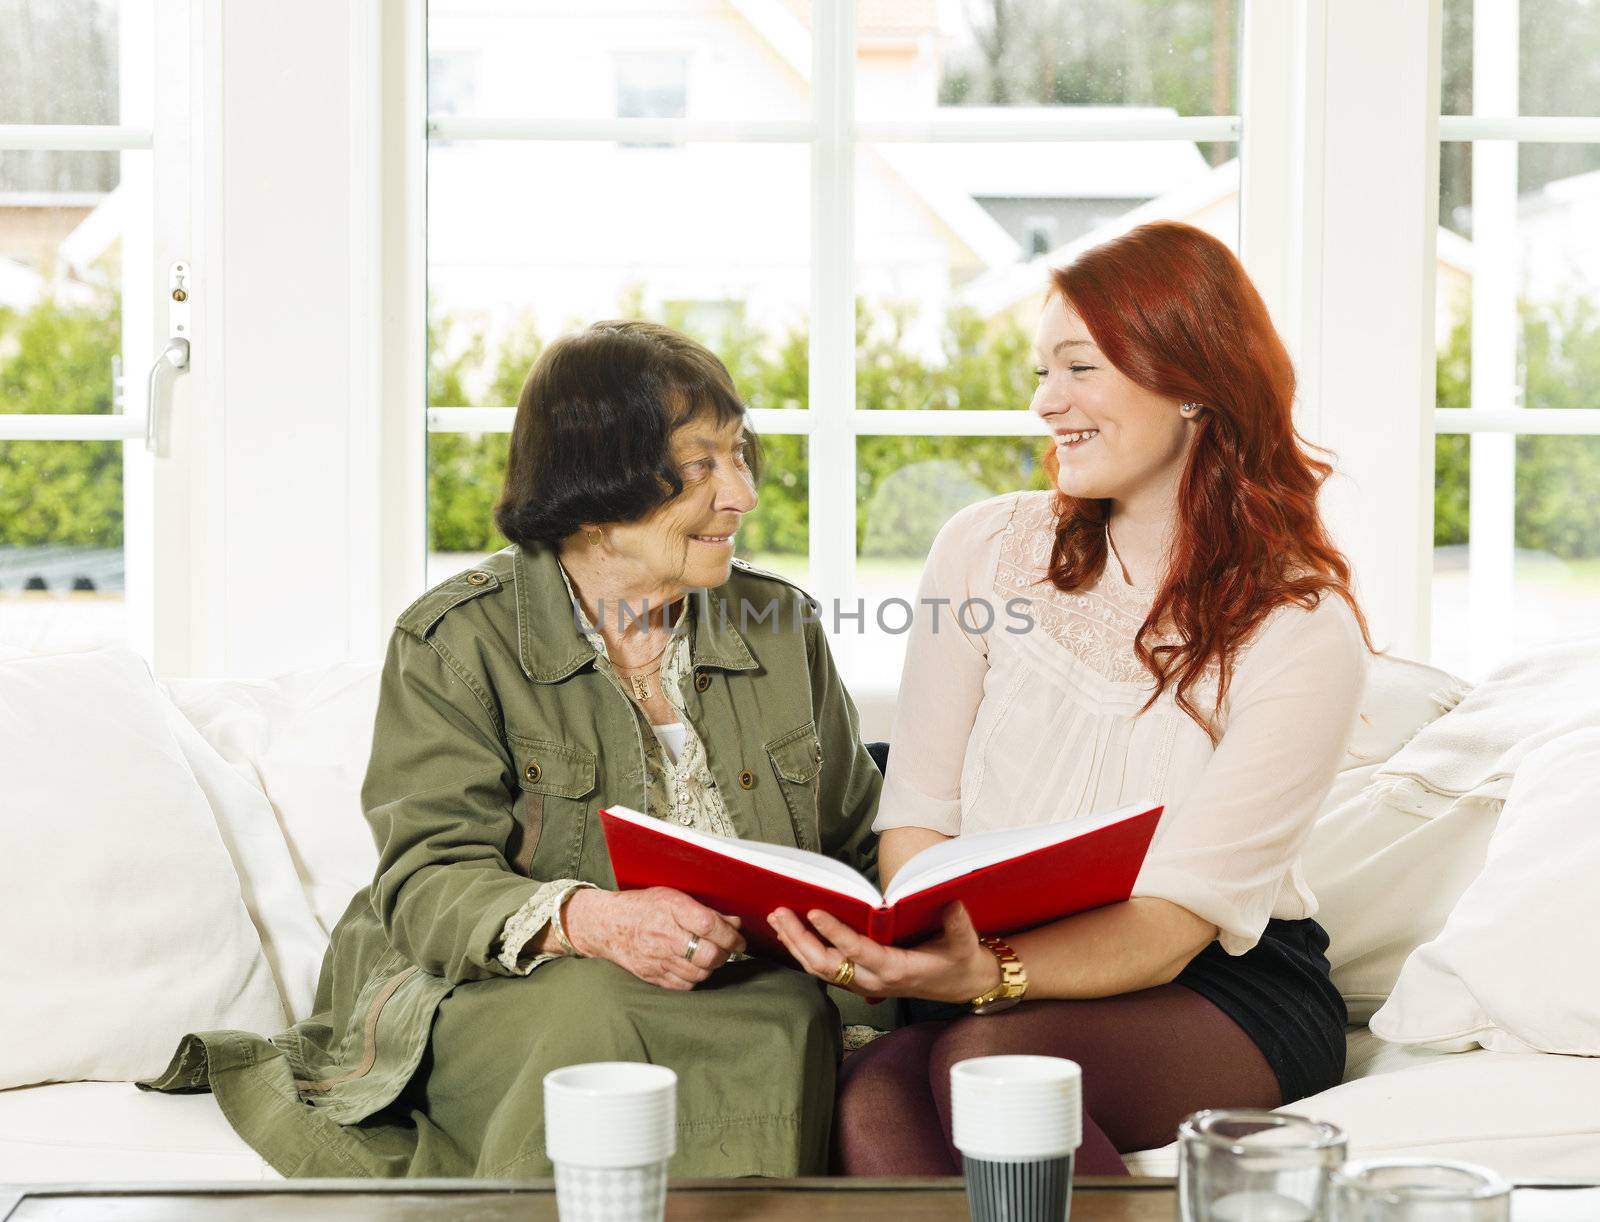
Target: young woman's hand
(951, 967)
(648, 932)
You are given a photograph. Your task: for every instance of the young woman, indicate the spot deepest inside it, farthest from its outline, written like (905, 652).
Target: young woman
(1195, 642)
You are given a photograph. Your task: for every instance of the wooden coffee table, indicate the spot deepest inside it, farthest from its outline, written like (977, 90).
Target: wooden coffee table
(1094, 1199)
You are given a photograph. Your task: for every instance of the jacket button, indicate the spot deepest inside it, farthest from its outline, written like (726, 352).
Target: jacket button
(533, 773)
(747, 779)
(701, 682)
(819, 753)
(478, 578)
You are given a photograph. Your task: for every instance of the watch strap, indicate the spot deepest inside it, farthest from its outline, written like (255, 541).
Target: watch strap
(1013, 979)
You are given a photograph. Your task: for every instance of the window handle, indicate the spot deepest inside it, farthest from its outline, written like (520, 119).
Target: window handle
(174, 359)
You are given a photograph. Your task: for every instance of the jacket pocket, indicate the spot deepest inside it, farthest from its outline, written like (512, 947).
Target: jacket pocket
(551, 811)
(797, 763)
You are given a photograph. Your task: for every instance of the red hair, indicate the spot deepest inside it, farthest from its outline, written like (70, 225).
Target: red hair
(1172, 308)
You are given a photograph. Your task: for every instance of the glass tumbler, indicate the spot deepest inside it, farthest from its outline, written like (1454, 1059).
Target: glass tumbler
(1418, 1190)
(1255, 1166)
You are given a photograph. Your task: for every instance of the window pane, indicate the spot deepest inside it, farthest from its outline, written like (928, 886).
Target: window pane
(1558, 62)
(955, 242)
(597, 59)
(465, 472)
(540, 238)
(1181, 57)
(61, 558)
(60, 281)
(1554, 589)
(61, 62)
(907, 488)
(1551, 262)
(776, 536)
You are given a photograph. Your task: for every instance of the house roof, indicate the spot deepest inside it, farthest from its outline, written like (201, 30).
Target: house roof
(999, 290)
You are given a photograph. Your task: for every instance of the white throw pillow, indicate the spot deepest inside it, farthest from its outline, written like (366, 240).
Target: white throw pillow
(1536, 697)
(303, 739)
(124, 924)
(1385, 878)
(1514, 967)
(290, 935)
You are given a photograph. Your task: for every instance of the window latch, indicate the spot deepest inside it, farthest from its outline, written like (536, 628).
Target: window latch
(173, 360)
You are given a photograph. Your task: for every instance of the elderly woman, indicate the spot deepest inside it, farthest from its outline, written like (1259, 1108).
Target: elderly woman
(614, 654)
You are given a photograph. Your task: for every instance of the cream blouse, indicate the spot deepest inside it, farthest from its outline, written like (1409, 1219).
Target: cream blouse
(1016, 726)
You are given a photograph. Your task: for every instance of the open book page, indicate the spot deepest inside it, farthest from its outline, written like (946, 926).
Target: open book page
(806, 867)
(964, 854)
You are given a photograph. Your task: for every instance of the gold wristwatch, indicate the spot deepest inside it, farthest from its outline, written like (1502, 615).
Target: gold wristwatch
(1013, 980)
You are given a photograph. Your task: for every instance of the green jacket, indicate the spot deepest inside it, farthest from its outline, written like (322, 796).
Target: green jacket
(495, 744)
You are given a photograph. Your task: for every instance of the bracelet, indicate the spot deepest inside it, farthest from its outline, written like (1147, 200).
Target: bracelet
(560, 929)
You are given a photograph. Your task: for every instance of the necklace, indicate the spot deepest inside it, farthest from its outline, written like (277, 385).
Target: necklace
(640, 685)
(1126, 576)
(637, 679)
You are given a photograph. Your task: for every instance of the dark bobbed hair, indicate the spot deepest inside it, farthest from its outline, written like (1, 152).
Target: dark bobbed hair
(1173, 309)
(591, 441)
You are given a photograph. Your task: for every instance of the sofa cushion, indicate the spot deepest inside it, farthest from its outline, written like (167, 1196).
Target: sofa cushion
(125, 926)
(1527, 1116)
(1513, 969)
(303, 739)
(105, 1132)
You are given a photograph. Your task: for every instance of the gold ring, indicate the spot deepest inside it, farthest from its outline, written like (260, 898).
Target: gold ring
(844, 973)
(694, 945)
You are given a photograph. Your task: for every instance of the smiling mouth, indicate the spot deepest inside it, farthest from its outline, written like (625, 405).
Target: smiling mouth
(1071, 441)
(714, 540)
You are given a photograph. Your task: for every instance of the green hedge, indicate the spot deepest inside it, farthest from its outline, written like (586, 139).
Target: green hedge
(58, 359)
(55, 360)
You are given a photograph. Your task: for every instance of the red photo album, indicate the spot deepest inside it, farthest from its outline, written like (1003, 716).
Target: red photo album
(1009, 880)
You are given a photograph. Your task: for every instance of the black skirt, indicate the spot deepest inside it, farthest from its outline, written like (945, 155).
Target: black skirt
(1280, 993)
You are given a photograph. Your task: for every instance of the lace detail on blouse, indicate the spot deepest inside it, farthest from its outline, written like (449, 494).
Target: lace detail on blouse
(1098, 625)
(527, 921)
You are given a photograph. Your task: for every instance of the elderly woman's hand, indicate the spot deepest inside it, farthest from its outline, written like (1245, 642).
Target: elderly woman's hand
(649, 933)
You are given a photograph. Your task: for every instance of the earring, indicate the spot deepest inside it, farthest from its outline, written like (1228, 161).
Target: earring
(1189, 409)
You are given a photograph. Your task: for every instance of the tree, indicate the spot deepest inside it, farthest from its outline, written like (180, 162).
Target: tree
(1177, 53)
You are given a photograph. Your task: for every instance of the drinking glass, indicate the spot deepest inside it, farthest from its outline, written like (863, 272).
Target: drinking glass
(1255, 1166)
(1418, 1190)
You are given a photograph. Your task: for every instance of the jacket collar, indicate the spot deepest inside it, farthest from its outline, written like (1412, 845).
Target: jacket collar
(551, 646)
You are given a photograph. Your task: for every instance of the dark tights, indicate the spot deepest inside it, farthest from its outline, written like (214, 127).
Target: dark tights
(1148, 1058)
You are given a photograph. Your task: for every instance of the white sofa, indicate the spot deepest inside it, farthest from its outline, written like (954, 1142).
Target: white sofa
(279, 765)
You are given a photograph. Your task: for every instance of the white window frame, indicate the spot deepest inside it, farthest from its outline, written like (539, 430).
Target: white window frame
(1339, 173)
